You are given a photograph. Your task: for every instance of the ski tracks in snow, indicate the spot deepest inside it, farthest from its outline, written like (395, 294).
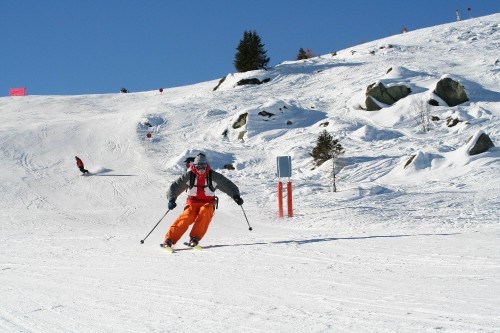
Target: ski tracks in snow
(315, 287)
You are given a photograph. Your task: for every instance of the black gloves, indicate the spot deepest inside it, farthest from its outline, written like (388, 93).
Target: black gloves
(171, 204)
(238, 200)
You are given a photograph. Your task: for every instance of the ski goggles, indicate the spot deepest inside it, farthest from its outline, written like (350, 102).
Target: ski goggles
(200, 167)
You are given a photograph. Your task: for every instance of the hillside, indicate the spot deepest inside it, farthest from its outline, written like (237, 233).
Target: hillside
(394, 250)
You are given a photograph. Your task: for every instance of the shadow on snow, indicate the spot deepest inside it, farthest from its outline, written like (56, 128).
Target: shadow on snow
(327, 239)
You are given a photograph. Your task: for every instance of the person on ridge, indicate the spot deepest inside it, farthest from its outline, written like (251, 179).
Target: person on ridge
(200, 182)
(80, 166)
(188, 162)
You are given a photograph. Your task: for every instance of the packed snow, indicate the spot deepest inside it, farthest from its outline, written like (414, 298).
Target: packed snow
(395, 249)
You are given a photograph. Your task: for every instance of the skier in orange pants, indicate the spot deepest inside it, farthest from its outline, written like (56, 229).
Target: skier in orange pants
(200, 182)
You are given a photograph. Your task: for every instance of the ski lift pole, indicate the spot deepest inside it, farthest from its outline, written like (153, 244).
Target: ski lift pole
(142, 240)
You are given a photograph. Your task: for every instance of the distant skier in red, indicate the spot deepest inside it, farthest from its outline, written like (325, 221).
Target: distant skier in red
(79, 164)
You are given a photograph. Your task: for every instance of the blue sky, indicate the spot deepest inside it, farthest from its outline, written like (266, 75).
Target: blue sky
(60, 47)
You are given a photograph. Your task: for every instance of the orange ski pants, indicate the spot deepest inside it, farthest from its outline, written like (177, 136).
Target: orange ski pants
(198, 213)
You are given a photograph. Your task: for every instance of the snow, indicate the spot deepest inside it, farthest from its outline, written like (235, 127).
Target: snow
(396, 249)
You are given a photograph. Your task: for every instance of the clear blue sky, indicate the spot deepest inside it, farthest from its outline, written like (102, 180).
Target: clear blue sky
(72, 47)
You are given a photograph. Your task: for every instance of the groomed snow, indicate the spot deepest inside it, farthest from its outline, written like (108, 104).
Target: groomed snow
(396, 249)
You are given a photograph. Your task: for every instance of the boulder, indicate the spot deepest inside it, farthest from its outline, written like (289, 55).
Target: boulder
(371, 105)
(451, 122)
(265, 114)
(252, 81)
(482, 143)
(242, 120)
(220, 82)
(450, 91)
(408, 162)
(385, 95)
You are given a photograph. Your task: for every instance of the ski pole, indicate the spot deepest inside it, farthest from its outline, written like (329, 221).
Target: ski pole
(142, 240)
(246, 218)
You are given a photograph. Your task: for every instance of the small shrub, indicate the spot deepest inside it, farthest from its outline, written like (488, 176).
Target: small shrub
(421, 109)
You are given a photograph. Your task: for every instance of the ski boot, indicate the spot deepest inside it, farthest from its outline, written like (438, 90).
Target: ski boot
(193, 242)
(167, 244)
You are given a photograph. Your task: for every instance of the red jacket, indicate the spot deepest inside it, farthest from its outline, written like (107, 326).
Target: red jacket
(79, 162)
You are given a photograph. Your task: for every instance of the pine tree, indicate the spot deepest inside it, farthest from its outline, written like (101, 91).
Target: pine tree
(302, 54)
(251, 54)
(326, 148)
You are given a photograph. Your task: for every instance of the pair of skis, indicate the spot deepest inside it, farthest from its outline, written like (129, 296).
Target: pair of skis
(171, 249)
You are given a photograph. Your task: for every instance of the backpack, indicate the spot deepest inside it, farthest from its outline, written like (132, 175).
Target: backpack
(208, 180)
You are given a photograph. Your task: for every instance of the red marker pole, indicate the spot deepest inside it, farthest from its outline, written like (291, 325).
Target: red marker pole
(280, 199)
(289, 199)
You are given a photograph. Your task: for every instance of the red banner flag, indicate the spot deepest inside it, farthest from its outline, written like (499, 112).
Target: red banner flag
(17, 92)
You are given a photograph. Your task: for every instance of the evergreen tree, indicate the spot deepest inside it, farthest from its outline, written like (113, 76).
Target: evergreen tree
(251, 54)
(326, 148)
(302, 54)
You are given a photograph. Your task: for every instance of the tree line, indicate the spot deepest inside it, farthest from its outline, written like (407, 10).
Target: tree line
(251, 54)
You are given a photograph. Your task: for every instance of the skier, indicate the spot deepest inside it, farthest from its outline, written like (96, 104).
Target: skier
(200, 182)
(79, 164)
(188, 162)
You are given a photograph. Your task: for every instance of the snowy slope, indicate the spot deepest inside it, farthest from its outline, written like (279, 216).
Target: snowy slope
(394, 250)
